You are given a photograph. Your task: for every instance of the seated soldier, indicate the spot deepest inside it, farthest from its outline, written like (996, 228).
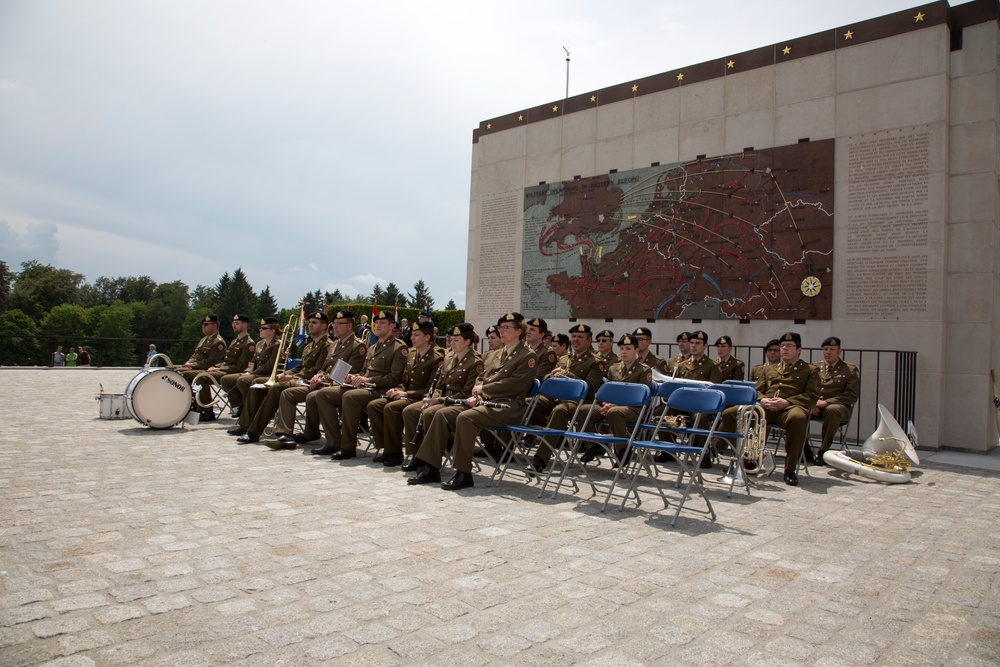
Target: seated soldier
(627, 369)
(538, 329)
(261, 404)
(462, 367)
(582, 363)
(344, 346)
(840, 383)
(211, 350)
(683, 352)
(560, 346)
(606, 347)
(730, 368)
(236, 385)
(644, 337)
(340, 408)
(772, 357)
(386, 414)
(237, 359)
(787, 393)
(498, 400)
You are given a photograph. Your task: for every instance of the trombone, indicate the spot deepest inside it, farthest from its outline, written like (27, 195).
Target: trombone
(284, 349)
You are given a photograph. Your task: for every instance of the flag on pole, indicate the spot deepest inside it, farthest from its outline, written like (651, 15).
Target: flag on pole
(395, 310)
(300, 336)
(371, 337)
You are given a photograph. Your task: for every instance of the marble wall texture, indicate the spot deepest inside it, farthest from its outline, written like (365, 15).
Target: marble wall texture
(922, 88)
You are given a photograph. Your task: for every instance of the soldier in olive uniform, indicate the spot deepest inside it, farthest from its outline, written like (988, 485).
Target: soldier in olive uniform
(237, 385)
(698, 365)
(261, 404)
(535, 340)
(386, 414)
(627, 369)
(606, 347)
(508, 385)
(211, 350)
(462, 366)
(840, 385)
(787, 393)
(683, 352)
(582, 363)
(644, 337)
(772, 357)
(730, 368)
(559, 345)
(344, 346)
(340, 408)
(237, 359)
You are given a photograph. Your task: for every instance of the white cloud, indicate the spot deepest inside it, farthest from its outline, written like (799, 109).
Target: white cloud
(35, 240)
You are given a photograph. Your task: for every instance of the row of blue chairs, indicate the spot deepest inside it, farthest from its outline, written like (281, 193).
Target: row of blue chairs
(650, 433)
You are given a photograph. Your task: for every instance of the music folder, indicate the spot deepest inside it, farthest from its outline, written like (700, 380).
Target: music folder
(340, 371)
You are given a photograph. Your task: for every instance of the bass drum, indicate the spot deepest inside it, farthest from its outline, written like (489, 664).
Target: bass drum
(158, 397)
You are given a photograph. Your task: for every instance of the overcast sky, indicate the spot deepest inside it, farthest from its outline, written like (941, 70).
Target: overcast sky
(315, 144)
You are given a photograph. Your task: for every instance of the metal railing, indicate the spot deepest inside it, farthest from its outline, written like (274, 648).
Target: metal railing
(95, 346)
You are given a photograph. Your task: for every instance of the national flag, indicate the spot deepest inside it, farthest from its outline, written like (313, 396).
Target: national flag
(300, 335)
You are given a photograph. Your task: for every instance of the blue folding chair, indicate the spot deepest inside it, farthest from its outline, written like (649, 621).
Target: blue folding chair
(503, 435)
(515, 448)
(626, 394)
(700, 403)
(742, 396)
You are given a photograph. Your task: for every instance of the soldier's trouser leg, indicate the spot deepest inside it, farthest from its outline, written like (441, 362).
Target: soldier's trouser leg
(327, 402)
(437, 432)
(228, 383)
(832, 416)
(190, 375)
(311, 429)
(795, 421)
(252, 398)
(267, 408)
(351, 406)
(290, 398)
(376, 419)
(558, 419)
(471, 421)
(411, 415)
(393, 425)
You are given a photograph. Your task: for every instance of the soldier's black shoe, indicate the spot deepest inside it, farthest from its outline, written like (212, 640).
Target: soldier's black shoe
(392, 460)
(411, 463)
(426, 475)
(301, 439)
(537, 466)
(286, 440)
(342, 454)
(207, 416)
(706, 462)
(325, 450)
(379, 458)
(664, 457)
(461, 480)
(247, 438)
(236, 412)
(590, 454)
(808, 452)
(791, 479)
(236, 430)
(819, 457)
(281, 444)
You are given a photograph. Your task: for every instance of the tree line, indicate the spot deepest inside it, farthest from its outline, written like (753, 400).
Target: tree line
(42, 306)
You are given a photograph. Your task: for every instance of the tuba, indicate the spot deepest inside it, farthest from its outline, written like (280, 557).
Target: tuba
(886, 456)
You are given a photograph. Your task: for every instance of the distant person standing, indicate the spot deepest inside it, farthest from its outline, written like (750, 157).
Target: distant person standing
(150, 354)
(84, 356)
(71, 357)
(58, 358)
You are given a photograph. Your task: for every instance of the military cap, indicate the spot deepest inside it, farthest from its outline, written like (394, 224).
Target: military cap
(792, 337)
(426, 325)
(627, 339)
(832, 340)
(511, 317)
(606, 333)
(270, 323)
(241, 318)
(210, 318)
(581, 328)
(465, 329)
(699, 335)
(642, 331)
(320, 315)
(538, 322)
(384, 316)
(492, 329)
(724, 340)
(343, 315)
(772, 343)
(562, 339)
(684, 335)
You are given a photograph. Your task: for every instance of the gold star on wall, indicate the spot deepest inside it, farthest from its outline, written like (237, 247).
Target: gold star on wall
(785, 51)
(635, 88)
(555, 108)
(680, 77)
(520, 117)
(919, 17)
(849, 34)
(593, 98)
(489, 126)
(731, 64)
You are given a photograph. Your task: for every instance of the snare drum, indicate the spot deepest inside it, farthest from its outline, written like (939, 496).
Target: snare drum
(158, 397)
(112, 406)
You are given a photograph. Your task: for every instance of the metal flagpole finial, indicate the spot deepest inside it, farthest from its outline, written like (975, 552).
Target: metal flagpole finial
(567, 71)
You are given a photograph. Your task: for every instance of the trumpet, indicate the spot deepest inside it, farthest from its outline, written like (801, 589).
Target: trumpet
(487, 404)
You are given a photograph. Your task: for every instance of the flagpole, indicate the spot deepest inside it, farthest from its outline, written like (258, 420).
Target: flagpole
(567, 72)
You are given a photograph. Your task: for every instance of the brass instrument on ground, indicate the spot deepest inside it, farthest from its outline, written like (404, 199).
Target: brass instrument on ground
(284, 349)
(418, 432)
(157, 357)
(886, 455)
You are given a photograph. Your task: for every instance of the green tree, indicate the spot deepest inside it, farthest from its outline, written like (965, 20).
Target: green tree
(334, 297)
(6, 279)
(378, 296)
(451, 305)
(181, 352)
(68, 321)
(116, 322)
(40, 287)
(421, 297)
(266, 305)
(314, 301)
(234, 295)
(20, 351)
(165, 314)
(393, 297)
(137, 288)
(203, 297)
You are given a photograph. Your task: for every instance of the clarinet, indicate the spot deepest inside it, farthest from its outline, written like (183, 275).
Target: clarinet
(418, 433)
(488, 404)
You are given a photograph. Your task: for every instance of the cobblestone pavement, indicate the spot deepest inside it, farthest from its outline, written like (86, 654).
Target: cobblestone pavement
(121, 545)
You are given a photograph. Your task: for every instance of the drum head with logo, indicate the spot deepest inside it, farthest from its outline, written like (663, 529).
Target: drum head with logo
(158, 397)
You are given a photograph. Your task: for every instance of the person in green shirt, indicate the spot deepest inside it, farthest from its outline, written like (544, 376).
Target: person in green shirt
(71, 357)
